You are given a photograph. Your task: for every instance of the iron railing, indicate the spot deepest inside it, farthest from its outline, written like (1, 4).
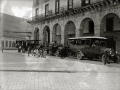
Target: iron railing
(63, 9)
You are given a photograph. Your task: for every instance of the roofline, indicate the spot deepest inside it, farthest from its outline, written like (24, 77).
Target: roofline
(88, 37)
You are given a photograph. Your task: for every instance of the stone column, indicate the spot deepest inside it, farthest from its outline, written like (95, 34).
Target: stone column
(81, 31)
(77, 32)
(51, 32)
(97, 30)
(62, 34)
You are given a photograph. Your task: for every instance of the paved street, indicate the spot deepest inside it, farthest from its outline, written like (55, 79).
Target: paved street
(21, 72)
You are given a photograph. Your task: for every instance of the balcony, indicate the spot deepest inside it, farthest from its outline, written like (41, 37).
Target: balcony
(77, 8)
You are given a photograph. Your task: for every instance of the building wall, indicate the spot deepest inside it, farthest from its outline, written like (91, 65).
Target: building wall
(9, 25)
(98, 16)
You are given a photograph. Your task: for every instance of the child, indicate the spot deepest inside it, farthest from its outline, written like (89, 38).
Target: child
(35, 52)
(40, 52)
(44, 53)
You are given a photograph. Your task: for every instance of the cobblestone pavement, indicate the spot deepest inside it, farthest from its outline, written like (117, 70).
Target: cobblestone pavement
(20, 72)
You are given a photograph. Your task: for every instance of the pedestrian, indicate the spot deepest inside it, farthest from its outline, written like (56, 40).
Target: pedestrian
(35, 51)
(2, 48)
(44, 53)
(62, 52)
(19, 48)
(32, 51)
(106, 55)
(28, 51)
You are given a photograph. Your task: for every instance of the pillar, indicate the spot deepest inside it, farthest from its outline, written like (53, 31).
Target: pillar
(77, 32)
(97, 30)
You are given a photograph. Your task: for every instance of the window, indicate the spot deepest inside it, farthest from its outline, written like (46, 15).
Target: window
(36, 2)
(57, 6)
(9, 43)
(46, 9)
(85, 2)
(37, 11)
(87, 42)
(70, 4)
(91, 27)
(103, 43)
(13, 44)
(109, 24)
(3, 44)
(6, 43)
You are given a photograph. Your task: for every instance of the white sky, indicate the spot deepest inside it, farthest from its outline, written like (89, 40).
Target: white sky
(18, 8)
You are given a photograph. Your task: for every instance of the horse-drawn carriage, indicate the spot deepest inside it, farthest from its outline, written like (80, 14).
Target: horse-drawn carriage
(23, 45)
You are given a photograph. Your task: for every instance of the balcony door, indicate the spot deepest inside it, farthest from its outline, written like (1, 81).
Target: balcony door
(46, 9)
(70, 4)
(57, 4)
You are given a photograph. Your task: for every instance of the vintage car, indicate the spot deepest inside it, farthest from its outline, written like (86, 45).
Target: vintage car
(92, 47)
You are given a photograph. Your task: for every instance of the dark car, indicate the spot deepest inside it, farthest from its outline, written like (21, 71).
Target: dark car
(92, 47)
(54, 48)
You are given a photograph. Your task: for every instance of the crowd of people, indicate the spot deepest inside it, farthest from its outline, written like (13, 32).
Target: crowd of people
(41, 50)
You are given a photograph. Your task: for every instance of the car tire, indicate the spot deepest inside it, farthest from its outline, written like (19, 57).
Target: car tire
(79, 55)
(117, 59)
(103, 58)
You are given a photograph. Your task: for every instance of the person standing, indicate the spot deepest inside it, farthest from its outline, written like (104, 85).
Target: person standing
(106, 55)
(40, 52)
(44, 53)
(28, 50)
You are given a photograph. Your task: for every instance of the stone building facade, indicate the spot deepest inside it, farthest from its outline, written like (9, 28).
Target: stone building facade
(57, 20)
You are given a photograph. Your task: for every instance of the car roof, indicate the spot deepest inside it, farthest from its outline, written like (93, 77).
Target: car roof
(89, 37)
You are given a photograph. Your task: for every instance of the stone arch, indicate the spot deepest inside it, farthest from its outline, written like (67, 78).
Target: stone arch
(109, 21)
(56, 33)
(87, 27)
(46, 34)
(36, 33)
(69, 31)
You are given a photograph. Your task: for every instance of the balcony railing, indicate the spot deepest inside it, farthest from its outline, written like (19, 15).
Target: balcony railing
(64, 10)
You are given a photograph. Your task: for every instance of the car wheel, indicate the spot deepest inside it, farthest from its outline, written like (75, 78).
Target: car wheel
(103, 58)
(117, 59)
(79, 55)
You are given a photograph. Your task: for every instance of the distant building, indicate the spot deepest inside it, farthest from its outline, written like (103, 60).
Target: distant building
(13, 28)
(58, 20)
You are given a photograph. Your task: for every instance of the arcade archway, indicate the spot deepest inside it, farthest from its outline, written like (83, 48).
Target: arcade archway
(69, 31)
(109, 24)
(46, 34)
(56, 33)
(110, 28)
(87, 27)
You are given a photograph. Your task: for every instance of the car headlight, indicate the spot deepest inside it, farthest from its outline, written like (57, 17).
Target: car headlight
(116, 51)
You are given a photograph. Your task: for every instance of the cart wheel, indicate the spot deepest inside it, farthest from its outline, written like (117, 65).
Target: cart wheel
(79, 56)
(57, 53)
